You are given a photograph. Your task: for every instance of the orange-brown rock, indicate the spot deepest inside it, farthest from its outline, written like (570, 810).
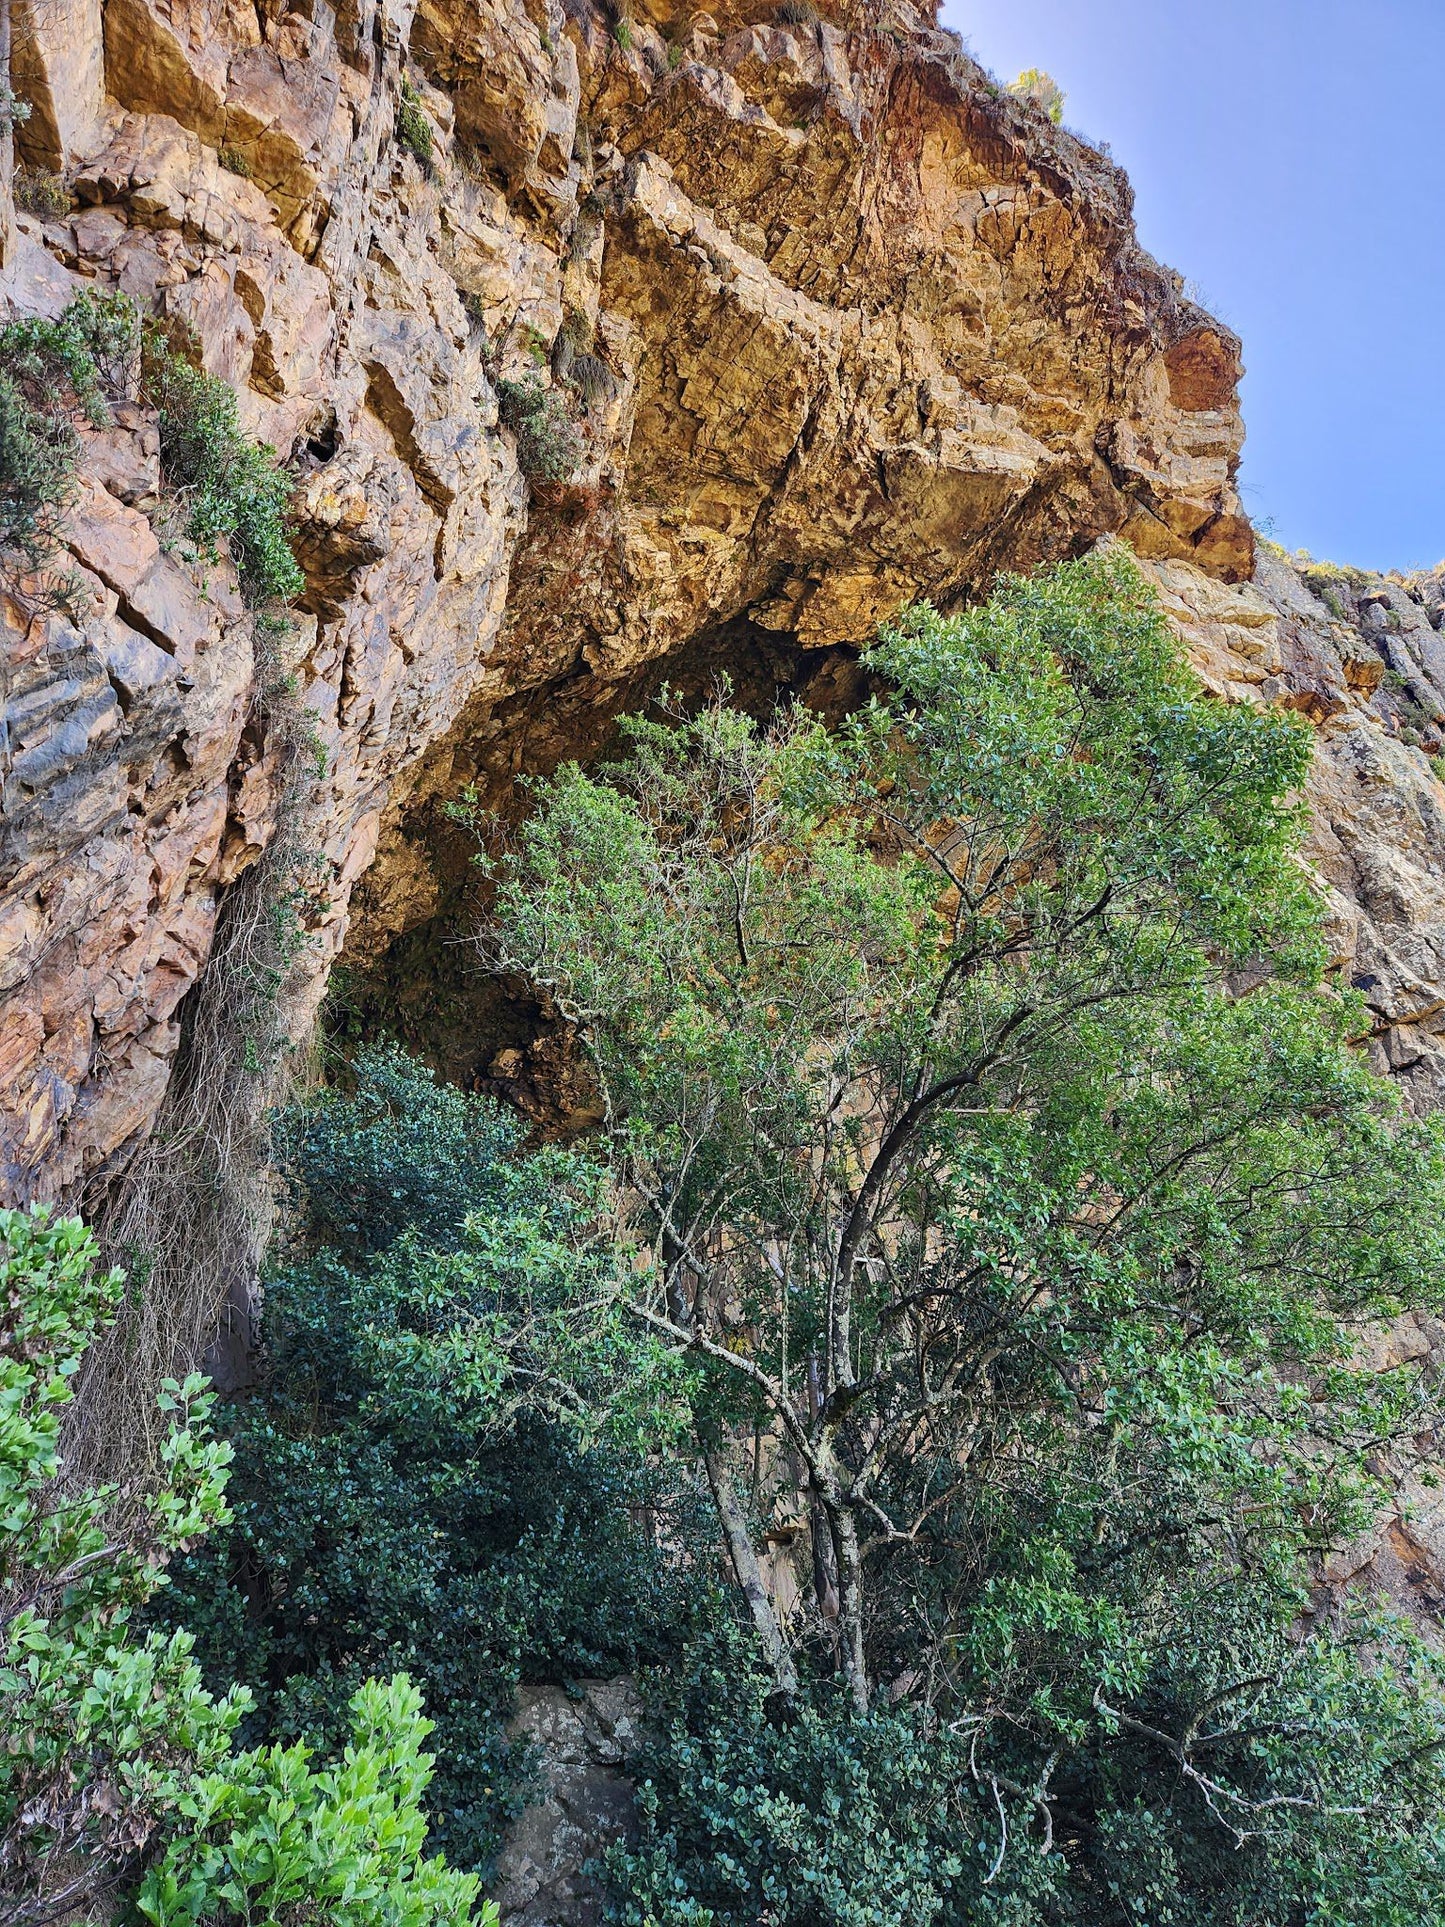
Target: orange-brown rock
(866, 328)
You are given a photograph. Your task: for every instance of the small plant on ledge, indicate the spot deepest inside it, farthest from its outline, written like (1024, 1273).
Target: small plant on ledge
(413, 128)
(1033, 84)
(549, 448)
(38, 191)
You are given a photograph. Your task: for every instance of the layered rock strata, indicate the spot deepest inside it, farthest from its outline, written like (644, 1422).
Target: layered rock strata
(836, 323)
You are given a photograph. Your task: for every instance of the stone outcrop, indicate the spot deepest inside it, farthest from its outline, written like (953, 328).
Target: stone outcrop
(837, 322)
(1361, 658)
(582, 1740)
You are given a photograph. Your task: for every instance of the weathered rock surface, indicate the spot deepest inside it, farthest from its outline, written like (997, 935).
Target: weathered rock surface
(837, 324)
(857, 327)
(582, 1741)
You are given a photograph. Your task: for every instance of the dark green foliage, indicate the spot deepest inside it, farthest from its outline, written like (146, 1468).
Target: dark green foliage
(991, 1166)
(549, 449)
(825, 1815)
(817, 1816)
(54, 375)
(399, 1152)
(413, 129)
(231, 486)
(383, 1518)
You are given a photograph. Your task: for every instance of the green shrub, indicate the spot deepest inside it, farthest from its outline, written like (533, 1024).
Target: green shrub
(383, 1515)
(235, 162)
(549, 448)
(828, 1817)
(38, 191)
(413, 129)
(54, 375)
(796, 13)
(270, 1838)
(230, 486)
(1033, 84)
(113, 1754)
(967, 1171)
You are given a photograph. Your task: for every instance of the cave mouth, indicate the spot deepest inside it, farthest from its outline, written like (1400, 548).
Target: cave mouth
(425, 985)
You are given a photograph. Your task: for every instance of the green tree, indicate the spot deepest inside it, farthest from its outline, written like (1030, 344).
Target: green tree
(973, 1077)
(112, 1754)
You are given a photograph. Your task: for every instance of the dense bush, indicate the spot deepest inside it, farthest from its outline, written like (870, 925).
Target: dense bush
(1314, 1795)
(38, 191)
(112, 1754)
(413, 129)
(385, 1516)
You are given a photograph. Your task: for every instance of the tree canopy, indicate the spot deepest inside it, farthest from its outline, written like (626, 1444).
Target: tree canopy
(974, 1080)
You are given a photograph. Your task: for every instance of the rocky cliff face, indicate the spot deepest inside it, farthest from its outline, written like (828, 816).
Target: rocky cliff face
(830, 323)
(836, 325)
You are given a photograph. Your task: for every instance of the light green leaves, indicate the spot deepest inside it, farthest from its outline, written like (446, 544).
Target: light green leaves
(269, 1837)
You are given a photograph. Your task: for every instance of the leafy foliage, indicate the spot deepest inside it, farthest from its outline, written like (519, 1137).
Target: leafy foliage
(385, 1514)
(832, 1815)
(231, 486)
(102, 1731)
(270, 1838)
(1004, 1162)
(113, 1751)
(549, 448)
(54, 375)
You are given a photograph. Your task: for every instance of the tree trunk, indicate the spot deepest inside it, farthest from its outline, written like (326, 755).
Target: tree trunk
(750, 1574)
(850, 1561)
(825, 1552)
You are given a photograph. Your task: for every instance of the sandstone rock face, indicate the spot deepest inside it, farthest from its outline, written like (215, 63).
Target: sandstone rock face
(1361, 658)
(583, 1740)
(837, 323)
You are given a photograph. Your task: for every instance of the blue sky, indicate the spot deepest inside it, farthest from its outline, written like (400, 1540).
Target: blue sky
(1288, 157)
